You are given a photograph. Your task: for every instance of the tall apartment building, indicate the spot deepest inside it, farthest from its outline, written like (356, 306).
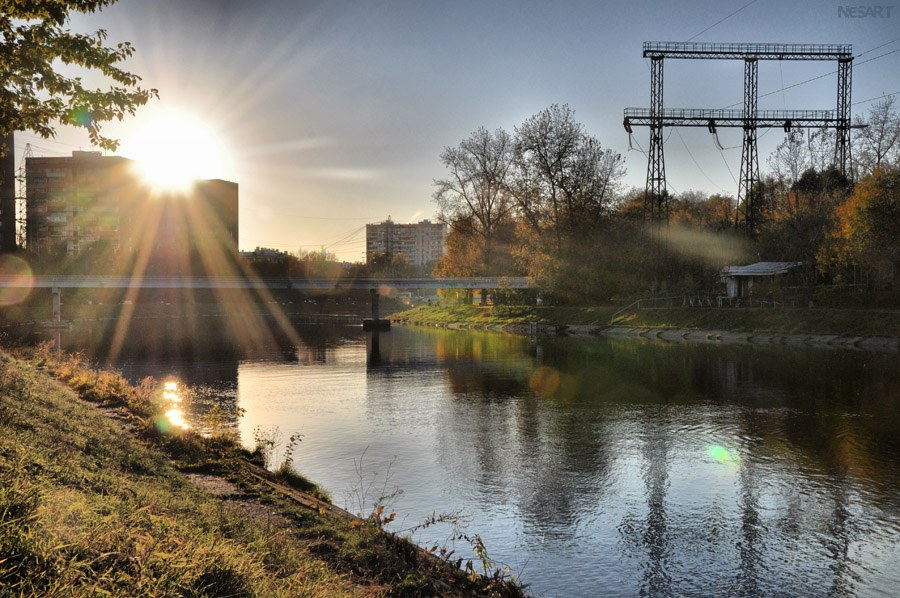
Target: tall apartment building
(421, 243)
(74, 203)
(7, 194)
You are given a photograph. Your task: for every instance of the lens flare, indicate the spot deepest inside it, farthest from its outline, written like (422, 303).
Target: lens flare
(18, 278)
(719, 453)
(723, 455)
(545, 381)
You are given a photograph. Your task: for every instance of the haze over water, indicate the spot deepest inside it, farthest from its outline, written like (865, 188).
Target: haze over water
(594, 466)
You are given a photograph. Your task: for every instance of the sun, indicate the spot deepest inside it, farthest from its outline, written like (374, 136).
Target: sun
(173, 149)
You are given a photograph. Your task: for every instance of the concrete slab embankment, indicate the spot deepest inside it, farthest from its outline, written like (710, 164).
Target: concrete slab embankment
(877, 344)
(823, 341)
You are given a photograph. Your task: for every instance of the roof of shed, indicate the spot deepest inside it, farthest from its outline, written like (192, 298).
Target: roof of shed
(760, 269)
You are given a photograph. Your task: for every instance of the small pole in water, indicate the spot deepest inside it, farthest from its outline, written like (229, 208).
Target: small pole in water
(375, 306)
(57, 318)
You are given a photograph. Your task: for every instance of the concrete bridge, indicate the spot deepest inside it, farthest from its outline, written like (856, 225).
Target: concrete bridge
(376, 286)
(302, 284)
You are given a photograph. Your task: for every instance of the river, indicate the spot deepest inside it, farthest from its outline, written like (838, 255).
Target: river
(589, 466)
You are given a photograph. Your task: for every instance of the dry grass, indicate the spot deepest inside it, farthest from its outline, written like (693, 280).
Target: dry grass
(96, 506)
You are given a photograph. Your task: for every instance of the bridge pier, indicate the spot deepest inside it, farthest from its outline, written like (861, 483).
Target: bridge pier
(376, 323)
(375, 295)
(56, 325)
(57, 316)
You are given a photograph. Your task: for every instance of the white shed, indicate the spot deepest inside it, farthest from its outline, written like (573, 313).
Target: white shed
(739, 279)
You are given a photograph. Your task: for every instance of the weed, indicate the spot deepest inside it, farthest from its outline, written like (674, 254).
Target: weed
(218, 421)
(266, 441)
(367, 487)
(290, 449)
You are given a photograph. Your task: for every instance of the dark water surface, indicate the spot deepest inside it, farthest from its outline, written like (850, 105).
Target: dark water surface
(593, 467)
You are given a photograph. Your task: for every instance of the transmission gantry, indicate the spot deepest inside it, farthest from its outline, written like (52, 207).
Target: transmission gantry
(657, 117)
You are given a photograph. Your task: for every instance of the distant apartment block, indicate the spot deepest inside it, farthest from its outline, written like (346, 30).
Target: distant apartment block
(74, 203)
(421, 243)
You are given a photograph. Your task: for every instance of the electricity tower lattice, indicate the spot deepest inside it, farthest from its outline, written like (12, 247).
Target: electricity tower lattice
(657, 117)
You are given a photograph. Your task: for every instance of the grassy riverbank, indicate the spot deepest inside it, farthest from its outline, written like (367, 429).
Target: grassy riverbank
(845, 322)
(502, 315)
(94, 500)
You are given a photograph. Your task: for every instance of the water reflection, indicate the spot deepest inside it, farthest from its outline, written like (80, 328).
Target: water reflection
(174, 412)
(640, 468)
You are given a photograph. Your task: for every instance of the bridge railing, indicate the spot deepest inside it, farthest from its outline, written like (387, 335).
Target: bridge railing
(158, 282)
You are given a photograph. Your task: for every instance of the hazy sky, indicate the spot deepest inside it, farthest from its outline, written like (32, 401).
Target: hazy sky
(332, 114)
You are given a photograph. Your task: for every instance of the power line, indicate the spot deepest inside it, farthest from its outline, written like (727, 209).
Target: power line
(877, 57)
(721, 153)
(675, 129)
(719, 22)
(694, 160)
(879, 47)
(47, 149)
(823, 76)
(343, 239)
(887, 95)
(51, 140)
(248, 209)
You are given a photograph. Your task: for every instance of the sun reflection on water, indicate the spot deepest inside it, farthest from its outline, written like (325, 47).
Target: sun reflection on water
(175, 414)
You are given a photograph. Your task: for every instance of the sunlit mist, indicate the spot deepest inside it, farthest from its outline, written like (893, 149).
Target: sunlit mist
(713, 248)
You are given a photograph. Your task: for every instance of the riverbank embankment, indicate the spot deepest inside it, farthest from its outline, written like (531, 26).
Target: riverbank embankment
(101, 493)
(859, 329)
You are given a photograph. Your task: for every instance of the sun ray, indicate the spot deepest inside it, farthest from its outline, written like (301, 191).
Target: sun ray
(150, 220)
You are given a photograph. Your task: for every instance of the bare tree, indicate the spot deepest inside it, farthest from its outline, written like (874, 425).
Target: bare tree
(476, 189)
(879, 143)
(790, 159)
(820, 145)
(564, 178)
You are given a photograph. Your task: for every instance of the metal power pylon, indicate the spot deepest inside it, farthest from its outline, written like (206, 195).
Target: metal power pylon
(749, 119)
(22, 198)
(656, 198)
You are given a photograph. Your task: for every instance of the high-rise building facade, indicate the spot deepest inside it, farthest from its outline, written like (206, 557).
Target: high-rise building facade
(421, 243)
(7, 194)
(88, 200)
(75, 202)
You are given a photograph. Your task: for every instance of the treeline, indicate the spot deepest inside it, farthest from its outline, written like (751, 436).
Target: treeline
(272, 263)
(547, 201)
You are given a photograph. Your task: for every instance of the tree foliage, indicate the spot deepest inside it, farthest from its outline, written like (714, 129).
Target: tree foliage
(565, 179)
(696, 209)
(37, 95)
(534, 202)
(475, 193)
(802, 219)
(871, 223)
(570, 227)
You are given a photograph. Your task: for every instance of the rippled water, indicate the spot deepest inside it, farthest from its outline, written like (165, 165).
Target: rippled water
(597, 467)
